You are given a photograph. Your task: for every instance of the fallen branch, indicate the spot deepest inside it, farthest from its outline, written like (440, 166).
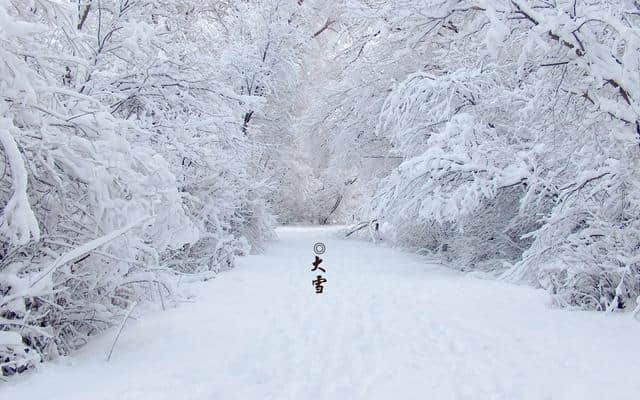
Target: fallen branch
(357, 228)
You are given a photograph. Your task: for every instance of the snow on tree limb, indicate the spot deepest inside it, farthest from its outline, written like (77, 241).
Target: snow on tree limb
(17, 221)
(87, 248)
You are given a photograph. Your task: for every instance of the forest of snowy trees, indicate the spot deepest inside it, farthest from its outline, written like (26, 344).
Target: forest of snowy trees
(506, 134)
(140, 143)
(147, 144)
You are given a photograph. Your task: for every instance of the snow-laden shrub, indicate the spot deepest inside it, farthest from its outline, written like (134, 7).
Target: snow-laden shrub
(518, 145)
(105, 210)
(587, 251)
(459, 190)
(124, 165)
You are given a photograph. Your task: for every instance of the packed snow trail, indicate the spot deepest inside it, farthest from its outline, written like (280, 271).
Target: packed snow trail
(388, 326)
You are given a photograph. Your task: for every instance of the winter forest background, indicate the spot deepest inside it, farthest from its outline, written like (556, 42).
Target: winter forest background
(147, 144)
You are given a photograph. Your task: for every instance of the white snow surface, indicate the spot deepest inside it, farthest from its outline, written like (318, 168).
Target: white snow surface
(390, 325)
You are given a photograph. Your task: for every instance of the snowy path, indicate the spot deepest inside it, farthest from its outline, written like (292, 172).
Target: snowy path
(388, 326)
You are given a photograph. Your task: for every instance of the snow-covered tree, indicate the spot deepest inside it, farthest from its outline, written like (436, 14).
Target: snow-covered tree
(129, 159)
(515, 124)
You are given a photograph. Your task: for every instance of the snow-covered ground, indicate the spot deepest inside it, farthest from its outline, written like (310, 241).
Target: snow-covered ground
(389, 326)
